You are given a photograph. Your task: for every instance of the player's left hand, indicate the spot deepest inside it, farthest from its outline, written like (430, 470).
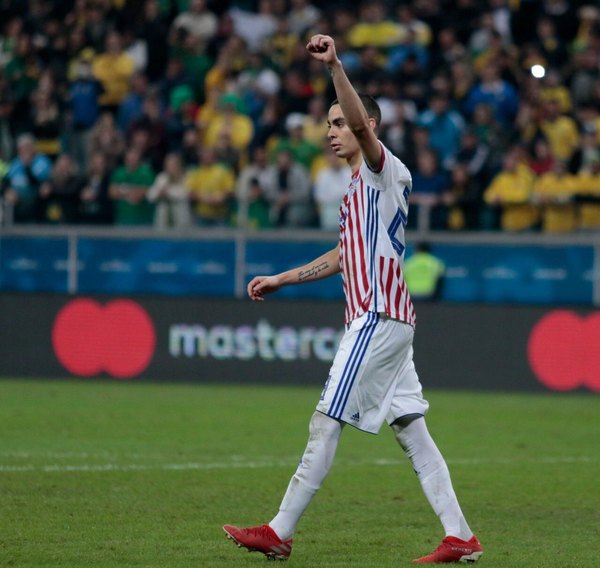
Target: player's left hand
(322, 48)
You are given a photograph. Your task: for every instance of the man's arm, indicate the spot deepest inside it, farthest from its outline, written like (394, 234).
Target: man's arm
(322, 48)
(322, 267)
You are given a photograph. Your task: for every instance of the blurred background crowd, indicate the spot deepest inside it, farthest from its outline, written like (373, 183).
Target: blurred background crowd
(182, 113)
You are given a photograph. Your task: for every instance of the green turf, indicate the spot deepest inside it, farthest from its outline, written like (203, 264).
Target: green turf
(120, 474)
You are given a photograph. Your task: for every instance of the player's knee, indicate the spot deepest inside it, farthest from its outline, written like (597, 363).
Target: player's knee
(402, 435)
(405, 420)
(323, 426)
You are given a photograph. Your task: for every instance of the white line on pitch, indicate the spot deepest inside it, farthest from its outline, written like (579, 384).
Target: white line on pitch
(239, 464)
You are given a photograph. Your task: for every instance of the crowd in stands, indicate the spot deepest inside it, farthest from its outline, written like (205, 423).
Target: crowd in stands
(182, 113)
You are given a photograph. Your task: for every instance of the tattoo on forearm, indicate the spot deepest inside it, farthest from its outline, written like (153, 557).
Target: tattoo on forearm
(332, 72)
(312, 272)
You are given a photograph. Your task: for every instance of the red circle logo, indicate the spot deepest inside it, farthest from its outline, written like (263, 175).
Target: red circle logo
(117, 338)
(564, 352)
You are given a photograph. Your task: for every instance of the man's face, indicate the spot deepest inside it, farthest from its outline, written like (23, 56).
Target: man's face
(26, 152)
(341, 139)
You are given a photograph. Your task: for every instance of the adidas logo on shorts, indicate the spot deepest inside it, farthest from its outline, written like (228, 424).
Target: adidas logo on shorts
(355, 417)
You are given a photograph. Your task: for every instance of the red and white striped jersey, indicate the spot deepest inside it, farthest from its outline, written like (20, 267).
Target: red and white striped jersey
(373, 215)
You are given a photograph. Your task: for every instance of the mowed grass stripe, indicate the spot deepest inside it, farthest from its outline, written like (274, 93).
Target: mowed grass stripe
(108, 467)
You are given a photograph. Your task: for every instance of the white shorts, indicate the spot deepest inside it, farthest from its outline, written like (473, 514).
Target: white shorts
(373, 376)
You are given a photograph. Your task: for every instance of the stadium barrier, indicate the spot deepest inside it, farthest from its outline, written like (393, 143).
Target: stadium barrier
(480, 267)
(285, 342)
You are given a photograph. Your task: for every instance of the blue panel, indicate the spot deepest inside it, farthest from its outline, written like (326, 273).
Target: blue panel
(155, 266)
(523, 274)
(266, 258)
(34, 264)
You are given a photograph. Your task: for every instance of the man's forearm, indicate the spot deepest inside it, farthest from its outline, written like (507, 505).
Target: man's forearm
(322, 267)
(351, 105)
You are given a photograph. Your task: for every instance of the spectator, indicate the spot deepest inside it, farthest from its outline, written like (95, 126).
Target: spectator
(27, 174)
(154, 130)
(282, 45)
(154, 31)
(583, 76)
(190, 143)
(410, 47)
(84, 93)
(195, 61)
(170, 196)
(374, 27)
(474, 154)
(96, 206)
(330, 186)
(480, 36)
(22, 72)
(132, 106)
(59, 198)
(462, 200)
(445, 128)
(128, 188)
(560, 130)
(302, 16)
(490, 133)
(198, 21)
(180, 115)
(226, 154)
(588, 152)
(257, 84)
(411, 28)
(589, 17)
(136, 48)
(510, 192)
(450, 51)
(96, 25)
(564, 16)
(461, 76)
(230, 120)
(496, 92)
(46, 122)
(423, 273)
(554, 192)
(287, 188)
(552, 49)
(114, 69)
(587, 182)
(302, 150)
(107, 139)
(553, 89)
(211, 186)
(269, 127)
(175, 76)
(542, 160)
(397, 135)
(252, 207)
(255, 27)
(429, 184)
(296, 91)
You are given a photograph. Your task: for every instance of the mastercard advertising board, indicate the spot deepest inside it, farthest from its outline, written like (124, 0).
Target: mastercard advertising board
(457, 346)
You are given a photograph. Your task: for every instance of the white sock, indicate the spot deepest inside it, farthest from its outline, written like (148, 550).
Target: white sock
(433, 474)
(324, 435)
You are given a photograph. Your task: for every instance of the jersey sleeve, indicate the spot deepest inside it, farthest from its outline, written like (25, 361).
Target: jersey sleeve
(390, 174)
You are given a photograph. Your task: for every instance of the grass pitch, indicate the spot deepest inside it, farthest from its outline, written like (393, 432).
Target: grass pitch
(120, 474)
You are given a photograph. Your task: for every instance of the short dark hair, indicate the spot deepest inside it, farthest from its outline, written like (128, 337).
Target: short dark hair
(370, 104)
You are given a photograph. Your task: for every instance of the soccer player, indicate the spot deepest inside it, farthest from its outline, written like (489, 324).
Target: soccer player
(373, 377)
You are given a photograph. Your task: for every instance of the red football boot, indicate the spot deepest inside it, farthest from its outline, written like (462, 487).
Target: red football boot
(260, 539)
(454, 549)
